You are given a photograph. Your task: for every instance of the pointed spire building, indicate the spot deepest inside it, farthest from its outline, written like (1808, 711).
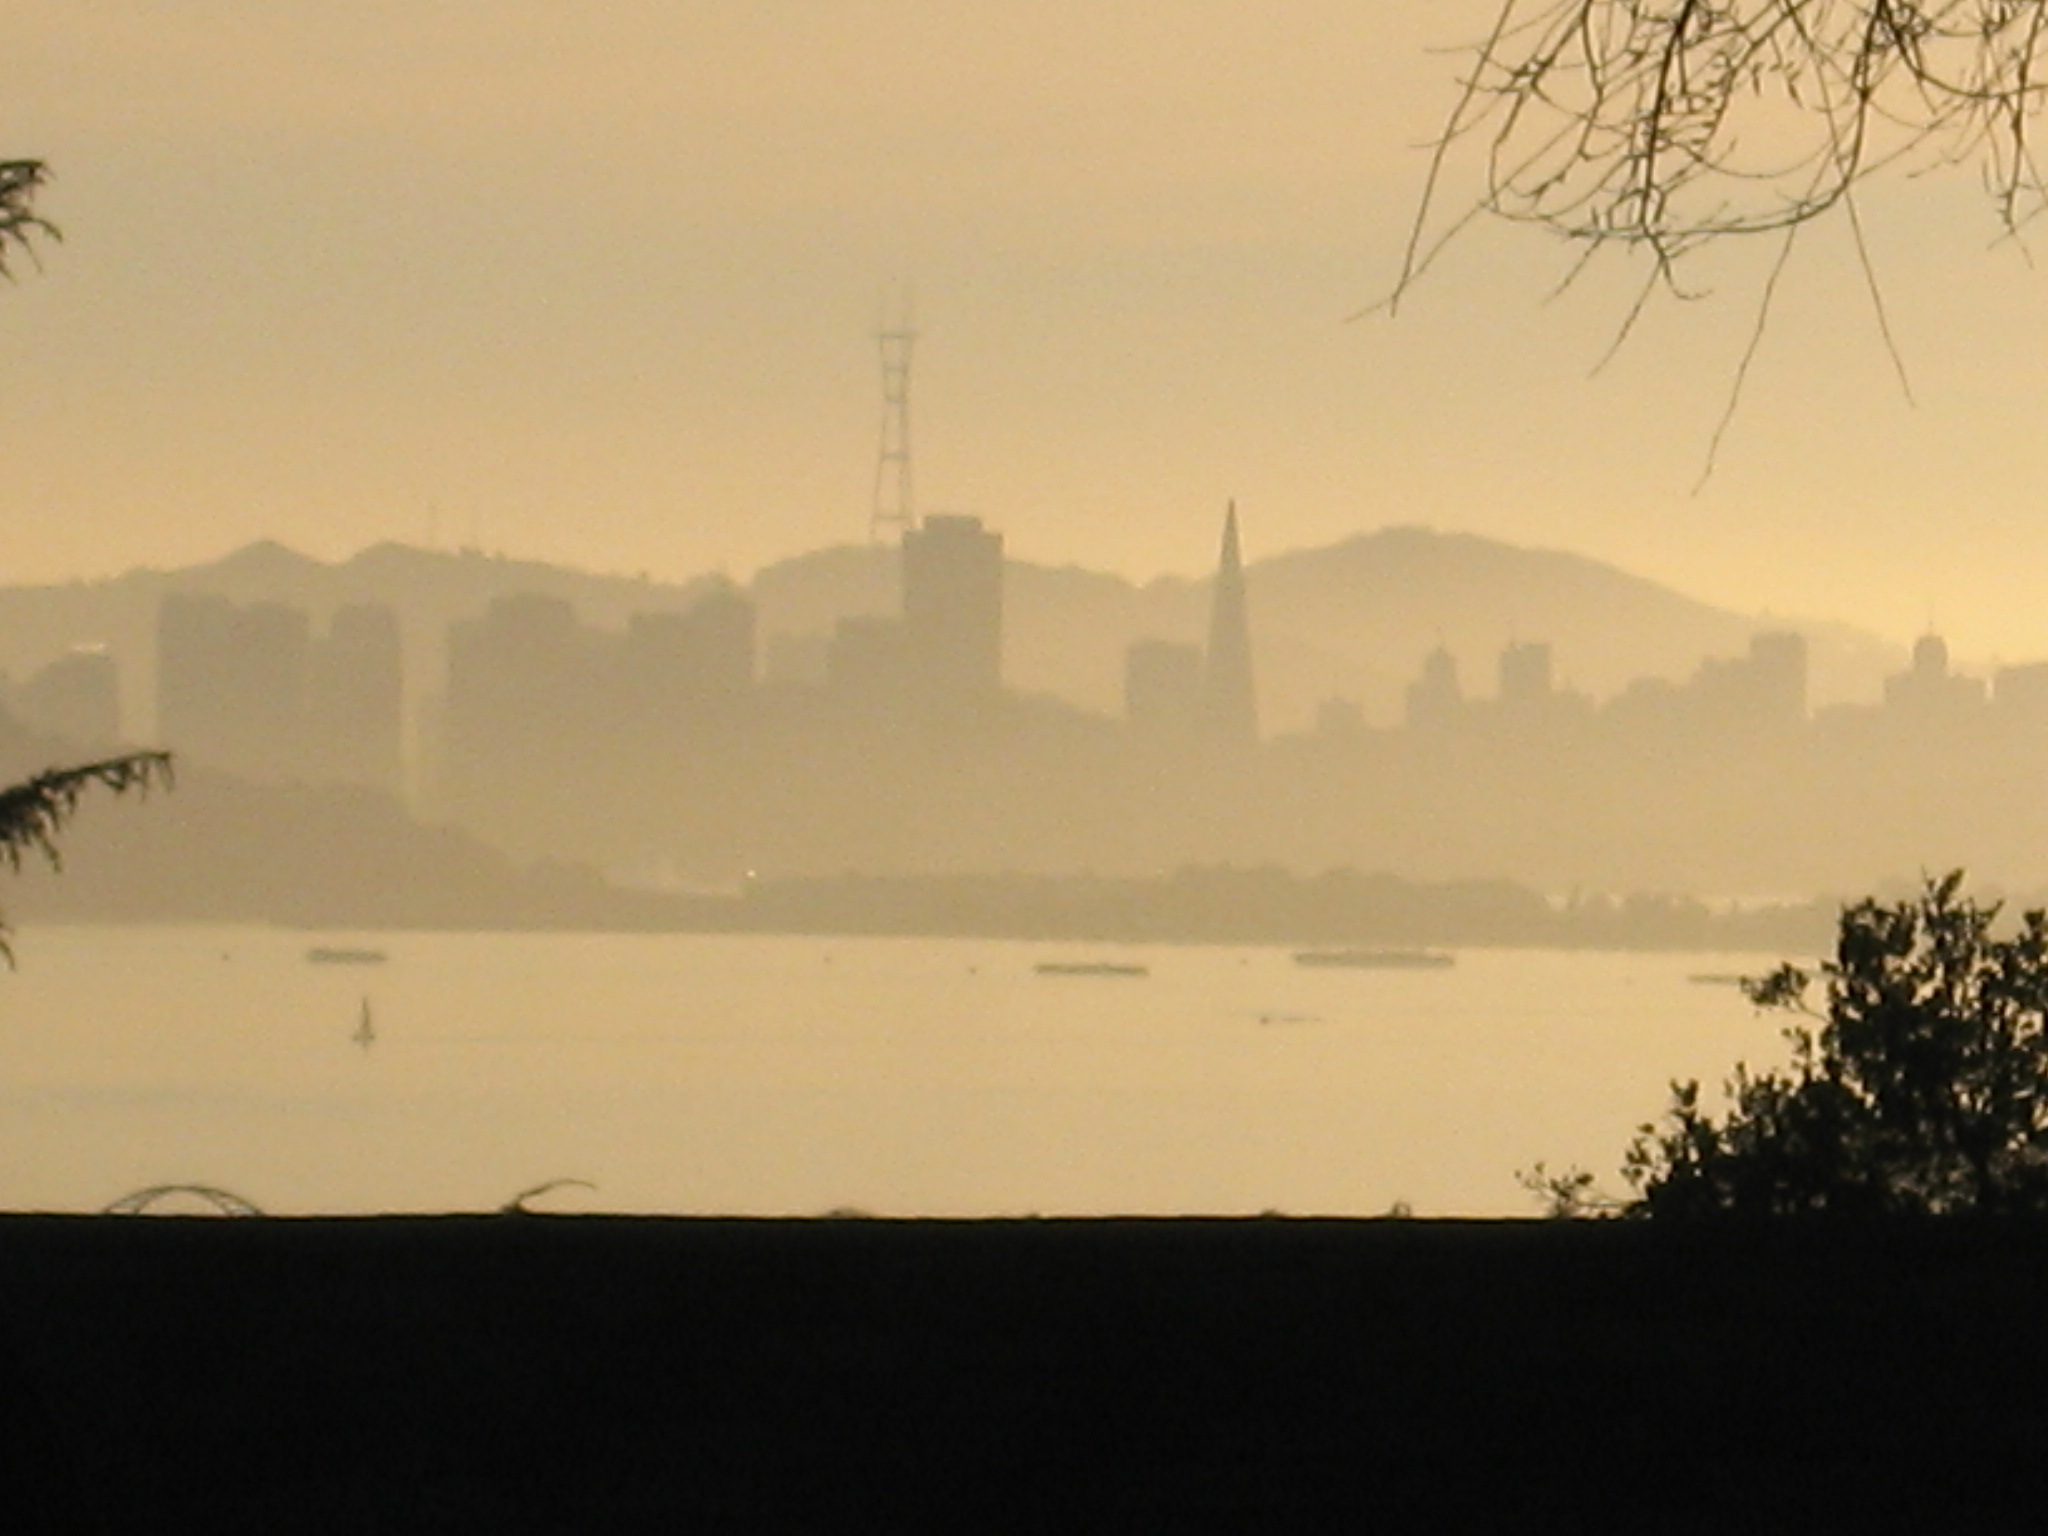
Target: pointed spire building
(1230, 711)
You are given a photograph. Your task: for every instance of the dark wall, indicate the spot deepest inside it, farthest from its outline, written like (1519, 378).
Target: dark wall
(522, 1373)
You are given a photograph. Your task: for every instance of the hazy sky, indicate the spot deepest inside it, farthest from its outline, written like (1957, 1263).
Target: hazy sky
(598, 284)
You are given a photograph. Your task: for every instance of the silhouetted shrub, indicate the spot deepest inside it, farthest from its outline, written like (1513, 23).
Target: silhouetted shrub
(1922, 1088)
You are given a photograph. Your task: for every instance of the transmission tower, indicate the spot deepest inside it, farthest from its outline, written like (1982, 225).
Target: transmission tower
(893, 508)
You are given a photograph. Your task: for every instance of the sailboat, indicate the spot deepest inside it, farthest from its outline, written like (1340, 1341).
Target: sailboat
(366, 1033)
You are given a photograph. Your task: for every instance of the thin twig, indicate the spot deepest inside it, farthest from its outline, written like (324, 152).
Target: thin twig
(1749, 352)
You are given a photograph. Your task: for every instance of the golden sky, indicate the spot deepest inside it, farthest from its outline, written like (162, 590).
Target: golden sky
(598, 284)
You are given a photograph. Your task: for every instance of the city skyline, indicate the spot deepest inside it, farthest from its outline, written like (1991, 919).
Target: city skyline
(606, 294)
(658, 748)
(1902, 634)
(1346, 620)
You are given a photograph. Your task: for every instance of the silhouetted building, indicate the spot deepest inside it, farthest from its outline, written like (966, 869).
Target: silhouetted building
(76, 698)
(1162, 687)
(1766, 689)
(719, 642)
(953, 608)
(249, 689)
(355, 714)
(670, 661)
(1928, 687)
(519, 678)
(869, 659)
(1435, 699)
(2023, 688)
(528, 727)
(1525, 678)
(1230, 710)
(655, 667)
(231, 683)
(1778, 663)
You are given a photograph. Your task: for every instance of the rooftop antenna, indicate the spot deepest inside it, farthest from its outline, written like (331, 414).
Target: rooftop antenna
(893, 508)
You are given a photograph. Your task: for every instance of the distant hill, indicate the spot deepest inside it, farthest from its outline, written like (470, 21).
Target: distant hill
(1352, 619)
(1356, 619)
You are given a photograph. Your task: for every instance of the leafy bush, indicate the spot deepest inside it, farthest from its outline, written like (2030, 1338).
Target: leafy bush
(1921, 1086)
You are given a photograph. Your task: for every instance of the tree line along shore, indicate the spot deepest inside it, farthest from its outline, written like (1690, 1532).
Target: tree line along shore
(209, 854)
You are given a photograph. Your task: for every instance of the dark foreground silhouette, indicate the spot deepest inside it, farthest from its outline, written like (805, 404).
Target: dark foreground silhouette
(524, 1373)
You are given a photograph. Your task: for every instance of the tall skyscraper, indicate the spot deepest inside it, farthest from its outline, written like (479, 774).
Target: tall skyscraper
(1230, 710)
(1778, 669)
(519, 681)
(674, 660)
(1929, 688)
(355, 701)
(231, 683)
(1435, 699)
(721, 627)
(1525, 675)
(953, 608)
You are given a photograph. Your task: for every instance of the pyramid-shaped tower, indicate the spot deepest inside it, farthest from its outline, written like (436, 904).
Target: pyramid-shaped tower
(1230, 710)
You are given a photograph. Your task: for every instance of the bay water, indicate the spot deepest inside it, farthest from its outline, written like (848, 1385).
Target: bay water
(769, 1075)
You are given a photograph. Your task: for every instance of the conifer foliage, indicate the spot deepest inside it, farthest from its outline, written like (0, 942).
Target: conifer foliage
(19, 221)
(34, 810)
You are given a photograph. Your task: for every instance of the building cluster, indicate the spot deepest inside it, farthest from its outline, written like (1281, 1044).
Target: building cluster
(668, 745)
(945, 649)
(1180, 694)
(251, 688)
(1762, 692)
(76, 698)
(528, 675)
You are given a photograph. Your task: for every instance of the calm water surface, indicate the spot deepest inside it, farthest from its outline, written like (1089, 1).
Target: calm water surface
(772, 1076)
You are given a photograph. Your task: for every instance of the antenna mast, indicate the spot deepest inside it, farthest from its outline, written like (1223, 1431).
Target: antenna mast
(893, 507)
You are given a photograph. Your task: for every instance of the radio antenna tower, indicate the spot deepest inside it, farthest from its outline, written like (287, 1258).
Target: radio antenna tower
(893, 507)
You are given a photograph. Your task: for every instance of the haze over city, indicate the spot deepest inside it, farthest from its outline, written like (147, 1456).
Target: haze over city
(602, 290)
(902, 752)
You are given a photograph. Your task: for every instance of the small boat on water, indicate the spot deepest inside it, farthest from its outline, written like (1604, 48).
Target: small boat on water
(1089, 968)
(1377, 959)
(365, 1032)
(324, 955)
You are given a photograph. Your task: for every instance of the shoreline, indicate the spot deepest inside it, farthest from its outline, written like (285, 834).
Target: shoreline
(356, 924)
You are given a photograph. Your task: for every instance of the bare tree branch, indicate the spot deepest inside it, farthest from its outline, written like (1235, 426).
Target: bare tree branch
(1665, 125)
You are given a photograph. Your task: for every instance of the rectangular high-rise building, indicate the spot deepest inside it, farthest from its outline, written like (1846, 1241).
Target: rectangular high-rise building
(231, 683)
(953, 608)
(1525, 678)
(1778, 667)
(355, 700)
